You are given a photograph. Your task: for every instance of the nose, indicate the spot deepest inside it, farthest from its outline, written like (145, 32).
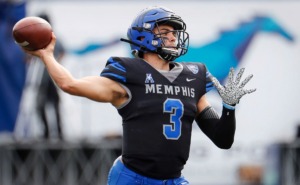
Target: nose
(172, 37)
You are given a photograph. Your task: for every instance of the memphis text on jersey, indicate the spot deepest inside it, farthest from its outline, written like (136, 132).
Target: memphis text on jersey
(152, 88)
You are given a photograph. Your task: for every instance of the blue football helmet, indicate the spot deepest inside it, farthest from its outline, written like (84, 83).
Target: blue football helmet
(142, 38)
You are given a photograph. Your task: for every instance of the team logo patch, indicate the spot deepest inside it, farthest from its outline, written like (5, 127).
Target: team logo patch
(193, 68)
(149, 78)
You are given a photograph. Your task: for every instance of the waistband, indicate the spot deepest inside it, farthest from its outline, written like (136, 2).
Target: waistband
(145, 180)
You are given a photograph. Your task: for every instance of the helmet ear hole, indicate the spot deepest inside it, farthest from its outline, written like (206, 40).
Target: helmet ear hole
(141, 38)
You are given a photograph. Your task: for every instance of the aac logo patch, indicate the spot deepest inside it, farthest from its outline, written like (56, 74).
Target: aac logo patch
(194, 68)
(149, 78)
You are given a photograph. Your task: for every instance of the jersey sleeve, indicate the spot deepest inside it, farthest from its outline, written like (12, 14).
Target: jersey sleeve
(209, 83)
(114, 70)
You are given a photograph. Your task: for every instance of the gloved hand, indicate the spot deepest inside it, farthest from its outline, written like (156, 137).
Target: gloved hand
(232, 92)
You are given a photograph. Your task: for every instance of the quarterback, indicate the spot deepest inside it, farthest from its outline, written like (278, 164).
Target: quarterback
(157, 98)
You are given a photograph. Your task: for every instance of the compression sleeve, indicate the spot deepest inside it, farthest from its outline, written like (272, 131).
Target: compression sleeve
(220, 130)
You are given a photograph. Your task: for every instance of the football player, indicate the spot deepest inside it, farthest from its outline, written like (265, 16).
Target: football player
(158, 99)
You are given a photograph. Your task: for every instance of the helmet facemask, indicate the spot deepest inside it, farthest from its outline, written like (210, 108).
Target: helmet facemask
(180, 47)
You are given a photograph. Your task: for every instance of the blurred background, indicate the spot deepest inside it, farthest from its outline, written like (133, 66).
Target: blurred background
(72, 140)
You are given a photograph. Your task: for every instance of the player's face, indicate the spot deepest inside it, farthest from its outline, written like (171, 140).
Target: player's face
(167, 34)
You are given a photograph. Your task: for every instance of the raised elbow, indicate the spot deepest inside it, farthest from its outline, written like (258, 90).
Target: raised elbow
(225, 144)
(67, 87)
(64, 87)
(225, 147)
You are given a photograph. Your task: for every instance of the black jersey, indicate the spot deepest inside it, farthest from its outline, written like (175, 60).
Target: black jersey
(158, 117)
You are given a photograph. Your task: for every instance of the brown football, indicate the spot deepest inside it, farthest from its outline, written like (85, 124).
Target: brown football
(32, 33)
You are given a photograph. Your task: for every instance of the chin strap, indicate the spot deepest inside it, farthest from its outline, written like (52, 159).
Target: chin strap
(167, 54)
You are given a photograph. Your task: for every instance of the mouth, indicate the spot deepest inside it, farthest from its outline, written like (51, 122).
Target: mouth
(171, 50)
(174, 48)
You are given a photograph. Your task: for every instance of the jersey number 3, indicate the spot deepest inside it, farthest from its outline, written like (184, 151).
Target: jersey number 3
(175, 108)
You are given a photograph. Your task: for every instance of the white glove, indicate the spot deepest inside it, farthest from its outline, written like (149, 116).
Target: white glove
(232, 92)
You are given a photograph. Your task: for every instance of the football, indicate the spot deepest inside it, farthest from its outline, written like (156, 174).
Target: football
(32, 33)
